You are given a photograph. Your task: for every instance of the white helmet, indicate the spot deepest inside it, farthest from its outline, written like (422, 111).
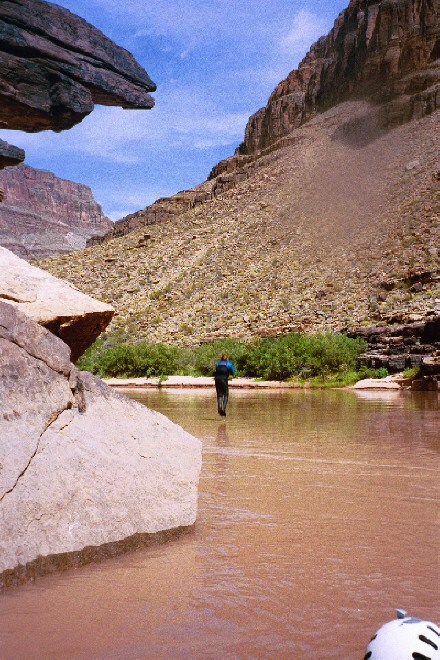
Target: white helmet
(405, 638)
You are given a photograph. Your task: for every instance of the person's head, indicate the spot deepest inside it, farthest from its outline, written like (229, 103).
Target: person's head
(224, 356)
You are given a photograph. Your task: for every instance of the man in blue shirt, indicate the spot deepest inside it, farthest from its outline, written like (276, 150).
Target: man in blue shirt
(223, 369)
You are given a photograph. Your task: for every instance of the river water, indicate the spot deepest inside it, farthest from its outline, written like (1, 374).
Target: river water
(318, 515)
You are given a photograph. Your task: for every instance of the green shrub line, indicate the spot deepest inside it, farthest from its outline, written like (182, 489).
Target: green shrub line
(321, 359)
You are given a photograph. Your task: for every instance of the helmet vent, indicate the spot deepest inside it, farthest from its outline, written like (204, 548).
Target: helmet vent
(369, 654)
(428, 641)
(420, 656)
(433, 630)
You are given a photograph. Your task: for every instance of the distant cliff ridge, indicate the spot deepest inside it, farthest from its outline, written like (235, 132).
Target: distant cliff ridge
(43, 215)
(385, 52)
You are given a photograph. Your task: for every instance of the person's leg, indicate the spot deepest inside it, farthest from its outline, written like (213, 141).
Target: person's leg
(225, 400)
(219, 393)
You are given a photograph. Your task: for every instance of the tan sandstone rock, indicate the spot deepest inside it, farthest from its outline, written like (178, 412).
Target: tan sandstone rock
(387, 383)
(80, 465)
(58, 306)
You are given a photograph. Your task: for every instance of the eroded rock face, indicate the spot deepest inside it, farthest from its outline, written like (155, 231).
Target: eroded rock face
(55, 66)
(58, 306)
(385, 51)
(80, 465)
(10, 155)
(43, 215)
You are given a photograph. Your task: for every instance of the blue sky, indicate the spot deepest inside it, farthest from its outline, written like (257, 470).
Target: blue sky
(215, 62)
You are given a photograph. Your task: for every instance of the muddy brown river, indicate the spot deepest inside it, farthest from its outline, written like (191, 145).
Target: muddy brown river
(318, 516)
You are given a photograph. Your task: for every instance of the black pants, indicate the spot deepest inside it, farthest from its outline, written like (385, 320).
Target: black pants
(222, 389)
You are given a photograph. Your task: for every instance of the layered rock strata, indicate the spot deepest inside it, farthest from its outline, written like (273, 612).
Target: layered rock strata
(55, 66)
(398, 346)
(82, 467)
(58, 306)
(384, 51)
(42, 214)
(10, 155)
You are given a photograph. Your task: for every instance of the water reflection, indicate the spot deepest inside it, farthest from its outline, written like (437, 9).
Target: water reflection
(318, 515)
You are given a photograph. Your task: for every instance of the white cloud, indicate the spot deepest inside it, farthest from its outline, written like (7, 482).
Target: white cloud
(181, 119)
(307, 27)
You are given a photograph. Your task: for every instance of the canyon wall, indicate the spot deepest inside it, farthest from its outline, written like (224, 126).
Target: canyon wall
(386, 52)
(383, 51)
(42, 215)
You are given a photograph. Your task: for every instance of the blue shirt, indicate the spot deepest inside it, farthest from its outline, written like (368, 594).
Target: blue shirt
(225, 363)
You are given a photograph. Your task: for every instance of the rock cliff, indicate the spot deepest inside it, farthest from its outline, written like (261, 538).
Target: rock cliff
(383, 51)
(85, 472)
(42, 214)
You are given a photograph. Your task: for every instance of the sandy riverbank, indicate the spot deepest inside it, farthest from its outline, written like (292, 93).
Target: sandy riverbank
(200, 381)
(390, 382)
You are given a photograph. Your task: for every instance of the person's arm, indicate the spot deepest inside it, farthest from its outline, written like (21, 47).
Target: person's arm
(231, 368)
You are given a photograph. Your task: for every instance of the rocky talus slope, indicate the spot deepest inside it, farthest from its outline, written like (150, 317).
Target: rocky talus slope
(325, 218)
(334, 229)
(42, 214)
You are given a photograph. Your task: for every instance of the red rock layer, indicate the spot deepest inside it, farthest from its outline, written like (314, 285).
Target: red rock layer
(43, 215)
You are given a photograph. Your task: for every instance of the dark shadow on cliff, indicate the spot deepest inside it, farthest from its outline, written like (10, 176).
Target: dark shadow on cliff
(365, 129)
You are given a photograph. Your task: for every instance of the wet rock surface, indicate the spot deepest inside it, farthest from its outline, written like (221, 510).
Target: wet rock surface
(80, 465)
(42, 214)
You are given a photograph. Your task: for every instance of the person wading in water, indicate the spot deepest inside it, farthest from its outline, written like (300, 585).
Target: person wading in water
(223, 369)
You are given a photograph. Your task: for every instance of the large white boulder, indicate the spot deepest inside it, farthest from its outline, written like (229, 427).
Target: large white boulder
(80, 464)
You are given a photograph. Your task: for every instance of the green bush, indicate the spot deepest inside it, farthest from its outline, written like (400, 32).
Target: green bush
(130, 360)
(411, 373)
(299, 356)
(291, 356)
